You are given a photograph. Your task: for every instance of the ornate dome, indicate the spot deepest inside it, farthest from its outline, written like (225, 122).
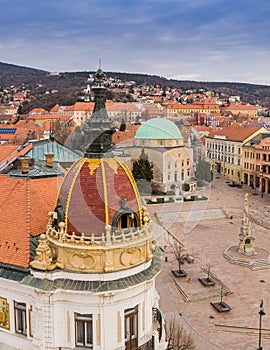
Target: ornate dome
(158, 128)
(98, 224)
(96, 193)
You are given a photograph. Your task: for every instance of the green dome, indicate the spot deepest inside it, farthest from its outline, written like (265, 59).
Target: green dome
(158, 128)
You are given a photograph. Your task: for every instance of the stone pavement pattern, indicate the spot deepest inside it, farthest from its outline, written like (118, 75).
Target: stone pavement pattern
(207, 229)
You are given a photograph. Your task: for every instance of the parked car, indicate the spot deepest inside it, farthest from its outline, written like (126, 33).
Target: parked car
(234, 184)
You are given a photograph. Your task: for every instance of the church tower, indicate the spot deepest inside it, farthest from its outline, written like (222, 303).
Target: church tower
(93, 275)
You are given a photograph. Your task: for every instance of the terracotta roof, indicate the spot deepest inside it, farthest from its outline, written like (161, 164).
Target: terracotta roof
(121, 107)
(9, 153)
(55, 108)
(236, 132)
(233, 107)
(28, 125)
(202, 128)
(48, 116)
(133, 127)
(123, 136)
(5, 151)
(24, 207)
(69, 108)
(46, 125)
(83, 106)
(38, 111)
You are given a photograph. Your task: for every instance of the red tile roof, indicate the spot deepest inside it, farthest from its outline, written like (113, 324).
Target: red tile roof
(123, 136)
(24, 207)
(6, 151)
(48, 116)
(10, 153)
(240, 107)
(121, 107)
(83, 106)
(55, 108)
(38, 111)
(236, 132)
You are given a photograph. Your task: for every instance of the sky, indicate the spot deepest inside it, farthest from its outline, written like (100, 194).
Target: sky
(202, 40)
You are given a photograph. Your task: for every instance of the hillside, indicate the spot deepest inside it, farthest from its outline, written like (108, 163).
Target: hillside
(68, 86)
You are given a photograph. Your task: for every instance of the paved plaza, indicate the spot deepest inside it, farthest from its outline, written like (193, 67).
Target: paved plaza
(207, 229)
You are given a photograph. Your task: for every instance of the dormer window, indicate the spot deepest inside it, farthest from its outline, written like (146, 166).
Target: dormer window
(125, 217)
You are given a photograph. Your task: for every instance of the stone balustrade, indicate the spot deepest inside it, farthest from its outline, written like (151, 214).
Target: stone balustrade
(110, 237)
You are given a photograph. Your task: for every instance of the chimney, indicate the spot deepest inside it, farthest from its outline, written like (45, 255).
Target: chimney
(49, 159)
(25, 164)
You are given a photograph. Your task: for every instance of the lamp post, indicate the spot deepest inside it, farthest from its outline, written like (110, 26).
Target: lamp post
(261, 313)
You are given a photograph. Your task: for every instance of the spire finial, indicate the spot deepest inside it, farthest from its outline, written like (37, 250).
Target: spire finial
(99, 126)
(99, 63)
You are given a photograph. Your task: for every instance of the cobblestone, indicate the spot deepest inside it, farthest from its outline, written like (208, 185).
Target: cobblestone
(207, 230)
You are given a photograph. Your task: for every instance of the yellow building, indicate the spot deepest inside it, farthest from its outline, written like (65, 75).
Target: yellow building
(205, 106)
(224, 151)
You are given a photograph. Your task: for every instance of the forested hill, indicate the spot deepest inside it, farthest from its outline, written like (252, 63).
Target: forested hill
(69, 85)
(251, 93)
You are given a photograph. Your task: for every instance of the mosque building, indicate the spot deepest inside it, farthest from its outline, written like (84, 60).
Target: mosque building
(89, 281)
(171, 159)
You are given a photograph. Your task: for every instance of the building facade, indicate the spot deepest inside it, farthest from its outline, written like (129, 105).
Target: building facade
(88, 281)
(256, 163)
(224, 149)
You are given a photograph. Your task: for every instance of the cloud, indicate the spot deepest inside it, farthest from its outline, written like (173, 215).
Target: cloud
(217, 39)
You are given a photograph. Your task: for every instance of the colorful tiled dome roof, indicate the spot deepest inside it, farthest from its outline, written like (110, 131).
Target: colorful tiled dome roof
(96, 193)
(98, 224)
(158, 128)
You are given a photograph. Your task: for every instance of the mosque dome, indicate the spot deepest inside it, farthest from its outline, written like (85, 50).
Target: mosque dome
(158, 128)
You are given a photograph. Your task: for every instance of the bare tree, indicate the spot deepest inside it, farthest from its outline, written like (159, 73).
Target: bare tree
(177, 337)
(207, 270)
(181, 255)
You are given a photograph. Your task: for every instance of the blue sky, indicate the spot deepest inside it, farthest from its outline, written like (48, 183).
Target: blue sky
(205, 40)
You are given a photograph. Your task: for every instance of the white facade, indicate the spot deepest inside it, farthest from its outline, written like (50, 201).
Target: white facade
(50, 315)
(171, 166)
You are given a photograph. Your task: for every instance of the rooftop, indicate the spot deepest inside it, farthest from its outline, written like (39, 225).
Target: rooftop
(61, 153)
(158, 128)
(24, 205)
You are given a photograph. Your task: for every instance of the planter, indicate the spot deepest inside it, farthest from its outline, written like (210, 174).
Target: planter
(221, 306)
(207, 281)
(179, 273)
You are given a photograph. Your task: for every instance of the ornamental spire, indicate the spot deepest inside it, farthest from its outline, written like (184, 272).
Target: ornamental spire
(99, 125)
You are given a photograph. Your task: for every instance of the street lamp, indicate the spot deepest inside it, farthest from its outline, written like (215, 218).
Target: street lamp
(261, 313)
